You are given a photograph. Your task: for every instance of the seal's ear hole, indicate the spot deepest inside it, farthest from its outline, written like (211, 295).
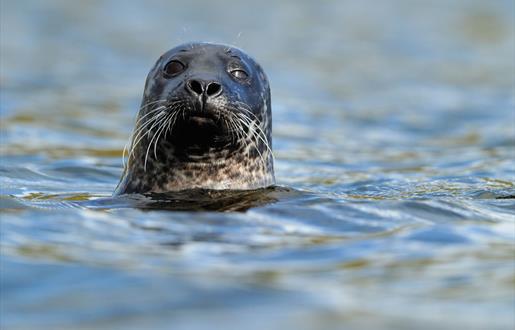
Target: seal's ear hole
(174, 67)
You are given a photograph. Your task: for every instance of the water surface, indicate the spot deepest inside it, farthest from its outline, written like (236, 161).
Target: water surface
(394, 144)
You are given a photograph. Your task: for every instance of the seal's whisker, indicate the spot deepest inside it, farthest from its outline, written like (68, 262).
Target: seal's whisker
(124, 152)
(143, 127)
(144, 130)
(162, 124)
(233, 112)
(252, 134)
(159, 125)
(134, 139)
(151, 112)
(175, 119)
(261, 134)
(171, 123)
(143, 106)
(237, 131)
(233, 130)
(178, 108)
(129, 141)
(245, 107)
(166, 123)
(225, 118)
(264, 139)
(161, 107)
(160, 131)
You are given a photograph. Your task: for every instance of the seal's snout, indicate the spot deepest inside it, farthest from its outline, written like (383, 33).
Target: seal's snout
(202, 88)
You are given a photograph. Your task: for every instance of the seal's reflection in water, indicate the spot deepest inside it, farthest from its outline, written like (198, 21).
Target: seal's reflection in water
(196, 200)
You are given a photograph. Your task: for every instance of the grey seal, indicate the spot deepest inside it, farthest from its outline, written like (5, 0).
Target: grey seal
(205, 122)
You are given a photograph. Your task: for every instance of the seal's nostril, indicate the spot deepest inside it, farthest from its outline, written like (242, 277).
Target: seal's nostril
(196, 86)
(213, 89)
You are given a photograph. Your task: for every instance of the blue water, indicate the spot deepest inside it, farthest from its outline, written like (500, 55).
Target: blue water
(394, 141)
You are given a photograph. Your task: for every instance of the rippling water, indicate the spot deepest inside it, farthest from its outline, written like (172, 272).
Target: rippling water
(394, 136)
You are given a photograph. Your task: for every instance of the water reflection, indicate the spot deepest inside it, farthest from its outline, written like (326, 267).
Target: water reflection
(196, 200)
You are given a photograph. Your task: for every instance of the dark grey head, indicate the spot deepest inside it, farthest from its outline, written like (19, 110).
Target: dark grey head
(204, 122)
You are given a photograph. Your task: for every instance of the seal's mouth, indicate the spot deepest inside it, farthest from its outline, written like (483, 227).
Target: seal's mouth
(202, 120)
(199, 133)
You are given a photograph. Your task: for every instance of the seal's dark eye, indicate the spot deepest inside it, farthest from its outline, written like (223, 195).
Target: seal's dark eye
(239, 74)
(174, 67)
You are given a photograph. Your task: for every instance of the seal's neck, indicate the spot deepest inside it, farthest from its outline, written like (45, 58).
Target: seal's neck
(244, 166)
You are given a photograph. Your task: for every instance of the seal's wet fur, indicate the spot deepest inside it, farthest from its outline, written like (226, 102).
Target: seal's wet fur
(205, 122)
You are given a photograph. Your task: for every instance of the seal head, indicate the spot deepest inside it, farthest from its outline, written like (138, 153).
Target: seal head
(204, 122)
